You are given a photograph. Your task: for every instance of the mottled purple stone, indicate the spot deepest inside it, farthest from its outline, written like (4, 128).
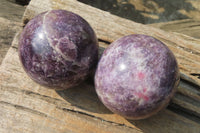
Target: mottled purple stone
(136, 76)
(58, 49)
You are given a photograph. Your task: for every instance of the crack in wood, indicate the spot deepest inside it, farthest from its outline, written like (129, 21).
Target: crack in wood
(189, 82)
(51, 100)
(67, 106)
(195, 74)
(191, 26)
(25, 21)
(65, 110)
(104, 41)
(189, 103)
(59, 103)
(116, 124)
(183, 112)
(25, 109)
(14, 47)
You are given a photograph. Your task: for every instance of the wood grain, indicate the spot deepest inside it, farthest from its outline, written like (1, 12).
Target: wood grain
(7, 32)
(29, 107)
(10, 18)
(188, 27)
(10, 10)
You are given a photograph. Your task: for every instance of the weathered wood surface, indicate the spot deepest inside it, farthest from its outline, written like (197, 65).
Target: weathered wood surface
(7, 31)
(28, 107)
(10, 22)
(10, 10)
(188, 27)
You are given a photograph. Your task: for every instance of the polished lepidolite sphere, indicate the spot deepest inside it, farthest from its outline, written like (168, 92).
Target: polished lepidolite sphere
(58, 49)
(136, 76)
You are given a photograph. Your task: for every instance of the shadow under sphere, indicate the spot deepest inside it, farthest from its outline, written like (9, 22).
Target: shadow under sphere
(84, 97)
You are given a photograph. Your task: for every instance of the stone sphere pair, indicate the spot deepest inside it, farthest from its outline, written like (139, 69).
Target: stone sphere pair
(135, 77)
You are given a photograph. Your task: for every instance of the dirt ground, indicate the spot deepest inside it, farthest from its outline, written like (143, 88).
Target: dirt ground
(150, 11)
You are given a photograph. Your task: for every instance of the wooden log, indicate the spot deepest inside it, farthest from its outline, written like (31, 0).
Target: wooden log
(188, 91)
(29, 107)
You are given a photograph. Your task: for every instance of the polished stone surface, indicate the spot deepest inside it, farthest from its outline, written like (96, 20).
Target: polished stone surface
(58, 49)
(136, 76)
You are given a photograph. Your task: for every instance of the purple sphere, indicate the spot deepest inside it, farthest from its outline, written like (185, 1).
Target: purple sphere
(58, 49)
(136, 76)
